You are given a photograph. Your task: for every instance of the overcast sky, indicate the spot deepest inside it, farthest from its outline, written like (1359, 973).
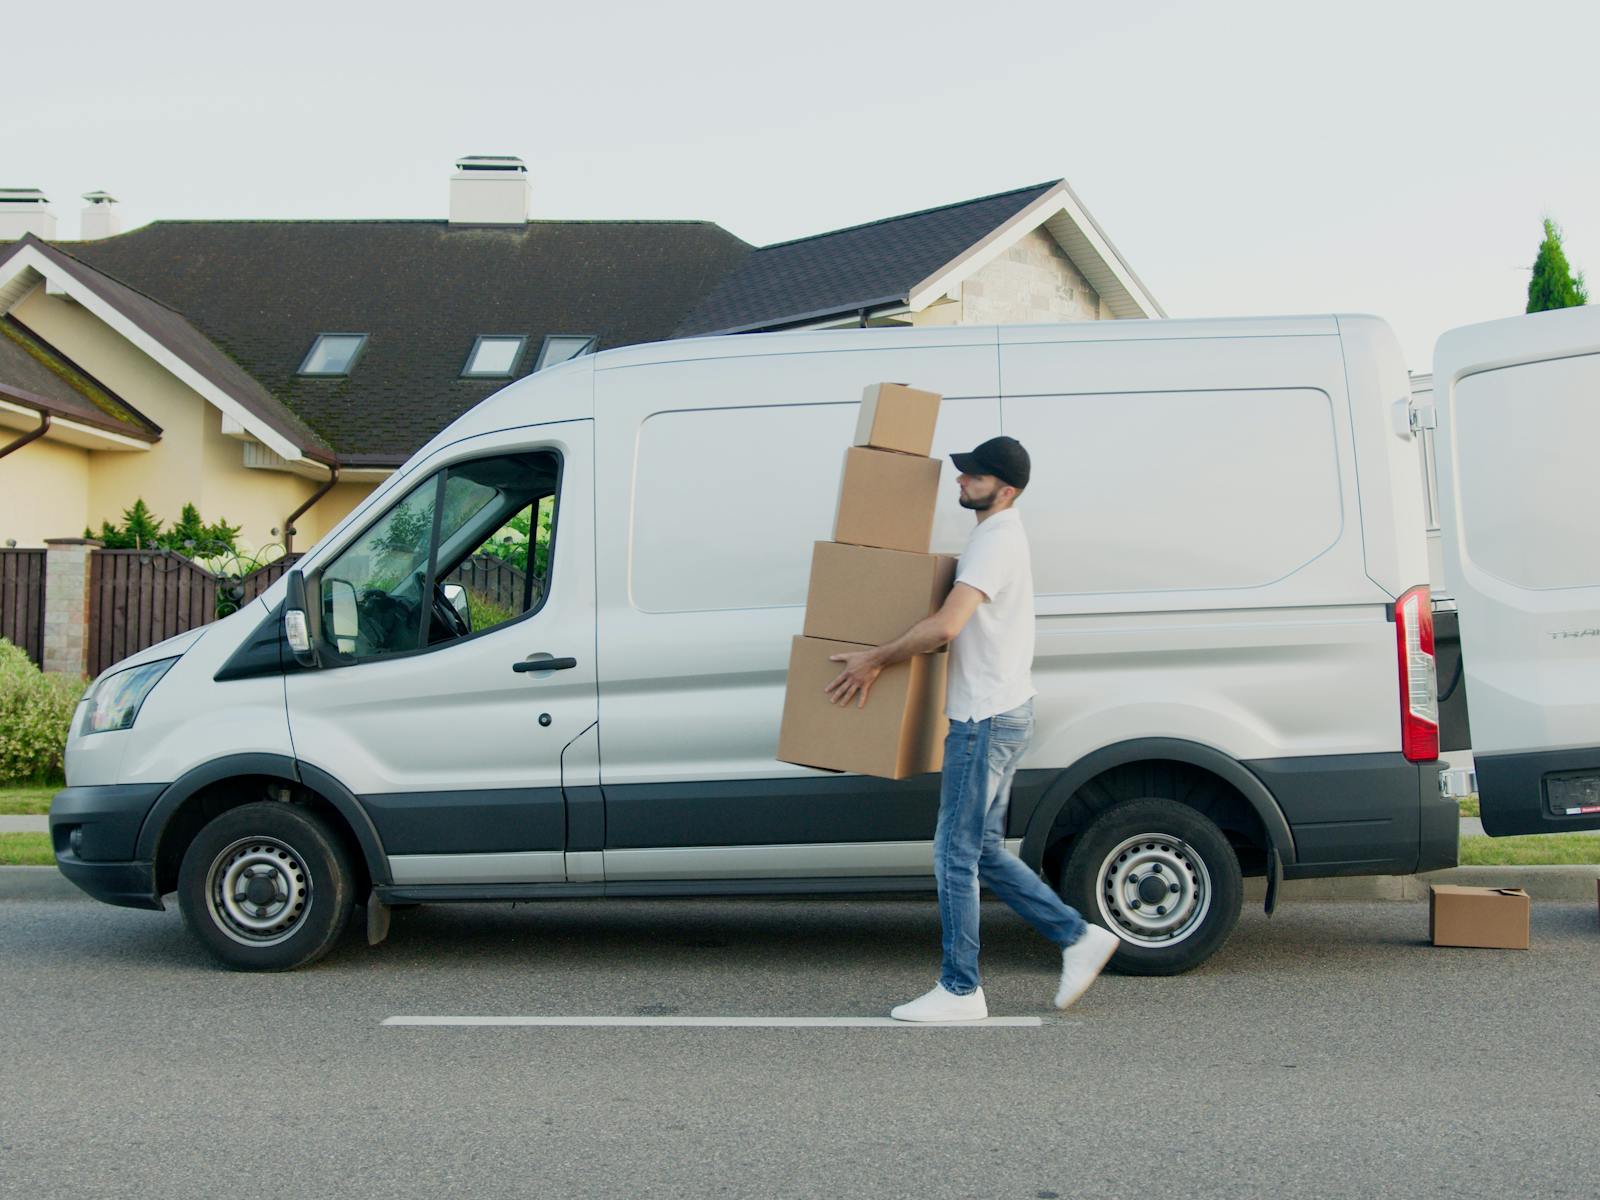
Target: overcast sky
(1245, 156)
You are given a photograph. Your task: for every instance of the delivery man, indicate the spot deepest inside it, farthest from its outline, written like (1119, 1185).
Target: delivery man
(987, 621)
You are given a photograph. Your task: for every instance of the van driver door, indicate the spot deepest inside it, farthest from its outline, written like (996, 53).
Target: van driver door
(458, 659)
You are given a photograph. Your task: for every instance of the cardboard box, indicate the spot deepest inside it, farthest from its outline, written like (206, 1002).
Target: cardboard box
(1475, 916)
(899, 733)
(898, 418)
(871, 596)
(887, 500)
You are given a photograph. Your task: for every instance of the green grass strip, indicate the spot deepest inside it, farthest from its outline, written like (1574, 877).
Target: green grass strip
(26, 850)
(1536, 850)
(26, 801)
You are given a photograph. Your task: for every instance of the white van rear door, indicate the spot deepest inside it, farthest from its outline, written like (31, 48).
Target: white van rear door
(1518, 408)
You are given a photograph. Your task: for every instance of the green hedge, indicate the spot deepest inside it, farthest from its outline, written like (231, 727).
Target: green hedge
(35, 711)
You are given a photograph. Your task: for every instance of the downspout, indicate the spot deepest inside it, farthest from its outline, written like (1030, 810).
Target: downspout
(288, 522)
(31, 435)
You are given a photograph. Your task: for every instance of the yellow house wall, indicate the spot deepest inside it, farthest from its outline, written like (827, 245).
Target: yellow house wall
(193, 463)
(329, 511)
(44, 491)
(254, 499)
(945, 312)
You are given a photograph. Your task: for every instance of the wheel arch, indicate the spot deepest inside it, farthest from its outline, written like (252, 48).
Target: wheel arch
(192, 798)
(1042, 822)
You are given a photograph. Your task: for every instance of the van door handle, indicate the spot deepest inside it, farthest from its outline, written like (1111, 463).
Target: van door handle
(544, 664)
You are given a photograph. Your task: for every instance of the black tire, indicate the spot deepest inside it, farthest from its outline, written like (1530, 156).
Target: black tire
(303, 893)
(1112, 883)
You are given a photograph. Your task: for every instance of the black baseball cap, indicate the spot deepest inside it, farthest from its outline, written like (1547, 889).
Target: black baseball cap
(1002, 457)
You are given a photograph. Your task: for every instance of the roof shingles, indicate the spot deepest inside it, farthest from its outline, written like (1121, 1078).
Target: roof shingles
(38, 375)
(422, 291)
(848, 269)
(242, 301)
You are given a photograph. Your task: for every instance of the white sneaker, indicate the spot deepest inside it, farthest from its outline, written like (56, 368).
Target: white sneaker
(1083, 960)
(940, 1005)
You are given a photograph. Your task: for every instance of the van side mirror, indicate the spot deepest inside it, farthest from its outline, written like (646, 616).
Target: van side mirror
(299, 621)
(457, 597)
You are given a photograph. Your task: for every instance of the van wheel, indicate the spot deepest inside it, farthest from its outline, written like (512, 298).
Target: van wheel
(266, 887)
(1162, 878)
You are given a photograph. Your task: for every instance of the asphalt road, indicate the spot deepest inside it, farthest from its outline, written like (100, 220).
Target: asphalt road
(1326, 1052)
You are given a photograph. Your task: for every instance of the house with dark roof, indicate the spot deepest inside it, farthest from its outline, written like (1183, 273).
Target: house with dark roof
(272, 372)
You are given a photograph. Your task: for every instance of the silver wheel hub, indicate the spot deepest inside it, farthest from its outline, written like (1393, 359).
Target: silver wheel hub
(1154, 889)
(258, 891)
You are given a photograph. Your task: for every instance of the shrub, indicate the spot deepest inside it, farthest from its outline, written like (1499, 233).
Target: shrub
(191, 537)
(35, 711)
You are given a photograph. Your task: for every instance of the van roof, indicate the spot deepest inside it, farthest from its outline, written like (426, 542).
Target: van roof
(819, 340)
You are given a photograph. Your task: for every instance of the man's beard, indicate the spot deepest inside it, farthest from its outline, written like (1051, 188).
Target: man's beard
(977, 503)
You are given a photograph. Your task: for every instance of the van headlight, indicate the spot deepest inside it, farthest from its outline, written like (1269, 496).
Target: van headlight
(116, 701)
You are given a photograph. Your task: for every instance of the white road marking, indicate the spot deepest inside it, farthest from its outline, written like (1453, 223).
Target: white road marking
(729, 1022)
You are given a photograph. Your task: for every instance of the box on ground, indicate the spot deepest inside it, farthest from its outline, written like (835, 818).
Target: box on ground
(896, 417)
(867, 595)
(887, 500)
(1496, 918)
(899, 733)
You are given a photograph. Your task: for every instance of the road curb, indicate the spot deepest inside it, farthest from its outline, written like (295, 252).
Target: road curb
(1542, 883)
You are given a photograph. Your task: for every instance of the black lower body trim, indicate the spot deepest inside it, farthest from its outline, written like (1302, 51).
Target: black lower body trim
(125, 884)
(1351, 814)
(469, 822)
(792, 811)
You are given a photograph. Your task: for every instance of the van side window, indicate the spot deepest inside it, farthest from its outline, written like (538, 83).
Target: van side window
(465, 550)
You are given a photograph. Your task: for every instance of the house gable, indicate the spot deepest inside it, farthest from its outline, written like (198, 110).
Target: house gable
(1060, 213)
(161, 334)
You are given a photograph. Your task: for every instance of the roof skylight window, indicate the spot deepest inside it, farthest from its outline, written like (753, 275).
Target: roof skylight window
(559, 347)
(494, 355)
(333, 354)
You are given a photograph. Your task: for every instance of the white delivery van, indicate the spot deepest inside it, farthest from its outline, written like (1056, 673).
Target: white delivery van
(1234, 638)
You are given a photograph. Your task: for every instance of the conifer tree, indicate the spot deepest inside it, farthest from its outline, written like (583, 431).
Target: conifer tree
(1553, 284)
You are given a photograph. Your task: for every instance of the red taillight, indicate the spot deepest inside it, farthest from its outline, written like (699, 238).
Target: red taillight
(1419, 685)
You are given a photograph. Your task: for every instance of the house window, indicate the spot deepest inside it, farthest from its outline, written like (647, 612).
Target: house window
(559, 347)
(494, 355)
(333, 354)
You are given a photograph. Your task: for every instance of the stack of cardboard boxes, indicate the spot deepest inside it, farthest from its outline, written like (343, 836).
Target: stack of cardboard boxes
(869, 585)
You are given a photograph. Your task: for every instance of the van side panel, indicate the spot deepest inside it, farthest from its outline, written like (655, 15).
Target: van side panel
(1197, 547)
(719, 475)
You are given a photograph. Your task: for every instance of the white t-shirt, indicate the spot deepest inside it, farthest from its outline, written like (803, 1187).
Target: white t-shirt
(991, 660)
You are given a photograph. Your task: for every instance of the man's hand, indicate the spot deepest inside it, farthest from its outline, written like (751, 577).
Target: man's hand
(855, 678)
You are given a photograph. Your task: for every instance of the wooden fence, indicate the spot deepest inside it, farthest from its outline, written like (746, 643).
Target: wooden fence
(22, 600)
(493, 578)
(140, 597)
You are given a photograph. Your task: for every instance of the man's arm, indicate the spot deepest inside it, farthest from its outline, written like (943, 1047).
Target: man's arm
(862, 667)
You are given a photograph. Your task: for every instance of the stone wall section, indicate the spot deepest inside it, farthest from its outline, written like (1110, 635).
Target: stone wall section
(1032, 281)
(66, 604)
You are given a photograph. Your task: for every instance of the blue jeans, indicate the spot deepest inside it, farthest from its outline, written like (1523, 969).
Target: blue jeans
(980, 760)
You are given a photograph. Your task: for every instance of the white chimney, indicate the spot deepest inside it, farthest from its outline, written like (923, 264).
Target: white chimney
(101, 218)
(25, 210)
(489, 189)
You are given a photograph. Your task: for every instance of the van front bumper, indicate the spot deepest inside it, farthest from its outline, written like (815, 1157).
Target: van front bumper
(94, 831)
(126, 884)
